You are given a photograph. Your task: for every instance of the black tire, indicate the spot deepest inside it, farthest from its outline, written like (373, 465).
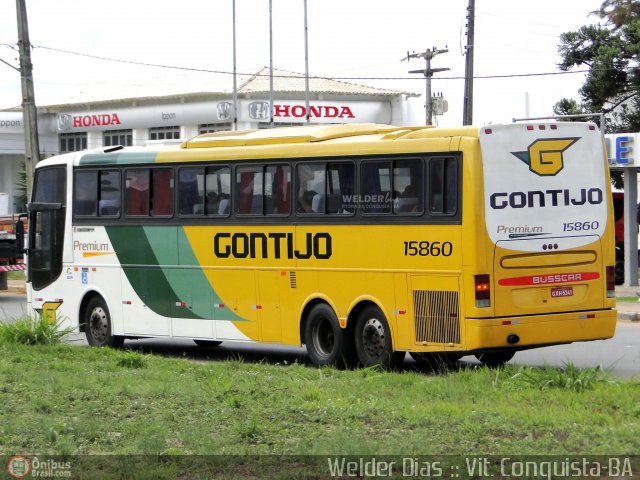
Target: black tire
(495, 359)
(373, 340)
(97, 325)
(207, 343)
(327, 343)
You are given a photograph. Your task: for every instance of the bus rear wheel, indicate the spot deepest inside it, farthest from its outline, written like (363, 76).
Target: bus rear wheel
(495, 359)
(327, 343)
(97, 324)
(373, 340)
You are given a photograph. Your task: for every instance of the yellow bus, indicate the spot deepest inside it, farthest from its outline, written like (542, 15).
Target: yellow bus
(362, 242)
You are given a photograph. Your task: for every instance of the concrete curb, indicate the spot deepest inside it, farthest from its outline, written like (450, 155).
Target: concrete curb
(628, 317)
(16, 287)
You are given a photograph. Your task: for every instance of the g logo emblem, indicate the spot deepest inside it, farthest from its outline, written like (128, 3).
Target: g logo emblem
(544, 156)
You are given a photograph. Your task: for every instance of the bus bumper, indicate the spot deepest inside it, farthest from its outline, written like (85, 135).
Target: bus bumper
(540, 329)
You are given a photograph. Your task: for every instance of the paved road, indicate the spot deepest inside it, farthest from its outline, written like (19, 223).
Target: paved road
(12, 306)
(620, 354)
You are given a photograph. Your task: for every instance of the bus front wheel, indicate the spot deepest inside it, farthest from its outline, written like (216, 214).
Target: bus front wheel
(97, 324)
(495, 359)
(373, 340)
(327, 343)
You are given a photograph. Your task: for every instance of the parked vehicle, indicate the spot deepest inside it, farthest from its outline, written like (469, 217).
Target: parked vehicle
(618, 214)
(10, 251)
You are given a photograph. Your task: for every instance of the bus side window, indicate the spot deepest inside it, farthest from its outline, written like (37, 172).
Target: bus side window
(85, 202)
(191, 191)
(311, 183)
(376, 186)
(217, 188)
(443, 186)
(109, 196)
(137, 192)
(340, 188)
(277, 190)
(249, 190)
(408, 181)
(162, 192)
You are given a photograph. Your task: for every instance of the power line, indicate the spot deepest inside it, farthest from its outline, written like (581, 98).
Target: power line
(224, 72)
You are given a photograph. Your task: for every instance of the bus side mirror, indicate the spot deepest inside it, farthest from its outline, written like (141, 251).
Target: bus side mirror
(20, 236)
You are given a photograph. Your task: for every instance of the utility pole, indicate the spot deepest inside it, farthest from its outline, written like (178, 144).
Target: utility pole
(467, 113)
(29, 112)
(428, 74)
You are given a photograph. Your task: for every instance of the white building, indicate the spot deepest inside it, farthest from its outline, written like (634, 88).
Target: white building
(96, 123)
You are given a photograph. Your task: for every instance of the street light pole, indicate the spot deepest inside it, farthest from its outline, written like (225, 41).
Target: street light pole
(29, 112)
(428, 73)
(467, 113)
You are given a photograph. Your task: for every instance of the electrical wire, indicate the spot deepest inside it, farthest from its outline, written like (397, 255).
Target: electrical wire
(279, 75)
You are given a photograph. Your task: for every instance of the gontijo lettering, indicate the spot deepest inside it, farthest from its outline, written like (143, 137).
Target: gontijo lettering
(271, 245)
(546, 198)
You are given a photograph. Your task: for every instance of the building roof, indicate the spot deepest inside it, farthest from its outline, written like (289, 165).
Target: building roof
(293, 82)
(199, 87)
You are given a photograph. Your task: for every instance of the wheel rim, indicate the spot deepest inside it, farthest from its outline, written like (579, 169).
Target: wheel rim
(99, 324)
(324, 338)
(373, 338)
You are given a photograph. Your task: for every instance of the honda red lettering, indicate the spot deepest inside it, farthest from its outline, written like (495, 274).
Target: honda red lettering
(101, 120)
(281, 110)
(318, 111)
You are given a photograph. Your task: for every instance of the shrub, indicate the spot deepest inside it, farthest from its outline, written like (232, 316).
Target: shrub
(33, 331)
(568, 377)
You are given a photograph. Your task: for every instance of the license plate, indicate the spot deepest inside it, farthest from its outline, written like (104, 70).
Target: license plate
(562, 292)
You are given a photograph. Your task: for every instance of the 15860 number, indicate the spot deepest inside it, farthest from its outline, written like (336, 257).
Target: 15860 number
(580, 226)
(427, 249)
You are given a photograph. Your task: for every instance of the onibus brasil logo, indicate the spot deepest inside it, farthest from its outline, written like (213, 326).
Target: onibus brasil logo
(544, 156)
(19, 466)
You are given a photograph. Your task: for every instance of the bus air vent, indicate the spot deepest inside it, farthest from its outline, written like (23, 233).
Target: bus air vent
(437, 318)
(293, 282)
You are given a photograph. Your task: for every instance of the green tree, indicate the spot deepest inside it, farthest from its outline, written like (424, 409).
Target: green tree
(612, 53)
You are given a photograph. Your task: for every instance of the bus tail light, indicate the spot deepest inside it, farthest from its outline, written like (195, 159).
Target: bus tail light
(611, 282)
(482, 285)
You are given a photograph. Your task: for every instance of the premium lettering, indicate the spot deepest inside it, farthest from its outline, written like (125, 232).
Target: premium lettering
(271, 245)
(546, 198)
(90, 246)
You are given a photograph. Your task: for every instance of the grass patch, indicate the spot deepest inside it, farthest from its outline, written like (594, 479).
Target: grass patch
(132, 359)
(16, 275)
(33, 331)
(68, 400)
(627, 299)
(119, 401)
(567, 378)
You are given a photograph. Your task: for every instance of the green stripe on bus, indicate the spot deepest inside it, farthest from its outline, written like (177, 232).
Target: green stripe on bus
(166, 277)
(191, 284)
(115, 158)
(141, 266)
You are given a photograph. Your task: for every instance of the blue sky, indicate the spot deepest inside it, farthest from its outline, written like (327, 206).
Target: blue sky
(359, 40)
